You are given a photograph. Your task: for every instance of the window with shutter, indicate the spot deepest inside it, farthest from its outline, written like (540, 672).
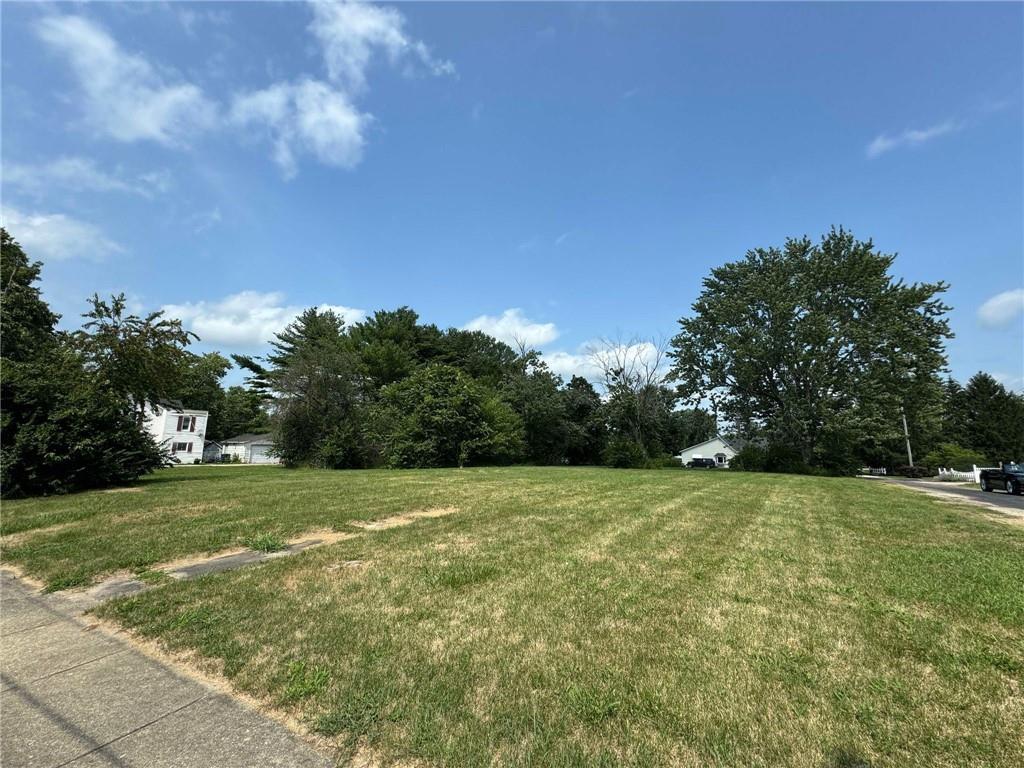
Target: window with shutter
(179, 423)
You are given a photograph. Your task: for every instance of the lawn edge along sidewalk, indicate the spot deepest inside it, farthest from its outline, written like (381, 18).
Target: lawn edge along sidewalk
(75, 693)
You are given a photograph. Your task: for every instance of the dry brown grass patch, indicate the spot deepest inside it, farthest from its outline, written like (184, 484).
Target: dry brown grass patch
(19, 538)
(406, 518)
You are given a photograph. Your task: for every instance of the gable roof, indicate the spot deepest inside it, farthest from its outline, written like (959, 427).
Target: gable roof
(709, 440)
(248, 438)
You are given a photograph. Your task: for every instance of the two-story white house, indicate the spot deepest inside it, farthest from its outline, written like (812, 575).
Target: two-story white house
(180, 430)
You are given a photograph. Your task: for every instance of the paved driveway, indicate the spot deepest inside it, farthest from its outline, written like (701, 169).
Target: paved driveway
(1012, 505)
(75, 695)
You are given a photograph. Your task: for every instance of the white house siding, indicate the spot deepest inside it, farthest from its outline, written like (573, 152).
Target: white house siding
(715, 448)
(258, 454)
(250, 453)
(236, 449)
(185, 444)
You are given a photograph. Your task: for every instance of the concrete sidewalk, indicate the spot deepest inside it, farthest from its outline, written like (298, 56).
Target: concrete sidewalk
(75, 696)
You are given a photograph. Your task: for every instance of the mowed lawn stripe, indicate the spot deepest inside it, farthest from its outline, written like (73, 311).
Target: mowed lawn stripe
(578, 617)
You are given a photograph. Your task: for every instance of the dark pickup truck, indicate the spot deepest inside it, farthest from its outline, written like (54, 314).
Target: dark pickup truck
(1009, 477)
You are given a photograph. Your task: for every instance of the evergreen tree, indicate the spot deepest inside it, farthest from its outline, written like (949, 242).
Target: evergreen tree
(992, 419)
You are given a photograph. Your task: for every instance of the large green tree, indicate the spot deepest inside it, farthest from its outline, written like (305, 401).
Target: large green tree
(25, 319)
(243, 411)
(585, 425)
(987, 418)
(142, 359)
(440, 417)
(391, 344)
(319, 404)
(63, 426)
(534, 393)
(200, 388)
(819, 347)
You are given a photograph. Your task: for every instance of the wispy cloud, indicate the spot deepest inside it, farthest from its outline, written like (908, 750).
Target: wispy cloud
(308, 117)
(350, 33)
(125, 97)
(202, 221)
(129, 99)
(913, 137)
(1010, 381)
(513, 327)
(246, 320)
(81, 174)
(1002, 309)
(56, 236)
(313, 117)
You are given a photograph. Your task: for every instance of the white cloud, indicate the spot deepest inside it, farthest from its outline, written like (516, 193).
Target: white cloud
(319, 118)
(586, 361)
(56, 236)
(350, 32)
(247, 319)
(513, 327)
(81, 174)
(309, 117)
(202, 221)
(569, 364)
(126, 98)
(1002, 308)
(191, 18)
(1010, 381)
(910, 138)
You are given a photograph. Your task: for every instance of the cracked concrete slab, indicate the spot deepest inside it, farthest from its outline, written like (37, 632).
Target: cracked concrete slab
(75, 693)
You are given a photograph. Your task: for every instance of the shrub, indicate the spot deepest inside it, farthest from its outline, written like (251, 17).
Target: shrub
(751, 458)
(663, 462)
(265, 542)
(441, 417)
(65, 431)
(952, 456)
(624, 453)
(918, 471)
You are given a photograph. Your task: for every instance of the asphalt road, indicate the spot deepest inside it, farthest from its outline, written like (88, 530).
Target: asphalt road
(995, 498)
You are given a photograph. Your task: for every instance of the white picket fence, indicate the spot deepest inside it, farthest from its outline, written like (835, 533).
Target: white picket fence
(880, 471)
(955, 476)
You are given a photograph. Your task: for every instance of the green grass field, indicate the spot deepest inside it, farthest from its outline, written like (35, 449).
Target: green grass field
(579, 617)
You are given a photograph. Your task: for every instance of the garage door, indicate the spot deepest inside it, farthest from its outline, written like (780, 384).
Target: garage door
(258, 455)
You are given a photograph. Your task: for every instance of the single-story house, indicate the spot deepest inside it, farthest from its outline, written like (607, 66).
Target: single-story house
(249, 448)
(717, 448)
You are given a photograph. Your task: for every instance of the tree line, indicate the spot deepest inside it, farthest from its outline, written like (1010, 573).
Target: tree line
(392, 391)
(810, 354)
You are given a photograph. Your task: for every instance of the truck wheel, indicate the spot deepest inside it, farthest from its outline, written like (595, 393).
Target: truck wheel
(985, 486)
(1013, 487)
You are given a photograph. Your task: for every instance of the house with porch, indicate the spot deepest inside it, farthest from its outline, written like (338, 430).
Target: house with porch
(717, 448)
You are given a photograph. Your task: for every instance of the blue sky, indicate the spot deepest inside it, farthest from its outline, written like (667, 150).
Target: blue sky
(557, 172)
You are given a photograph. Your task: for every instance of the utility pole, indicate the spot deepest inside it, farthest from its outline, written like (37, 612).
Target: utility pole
(906, 434)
